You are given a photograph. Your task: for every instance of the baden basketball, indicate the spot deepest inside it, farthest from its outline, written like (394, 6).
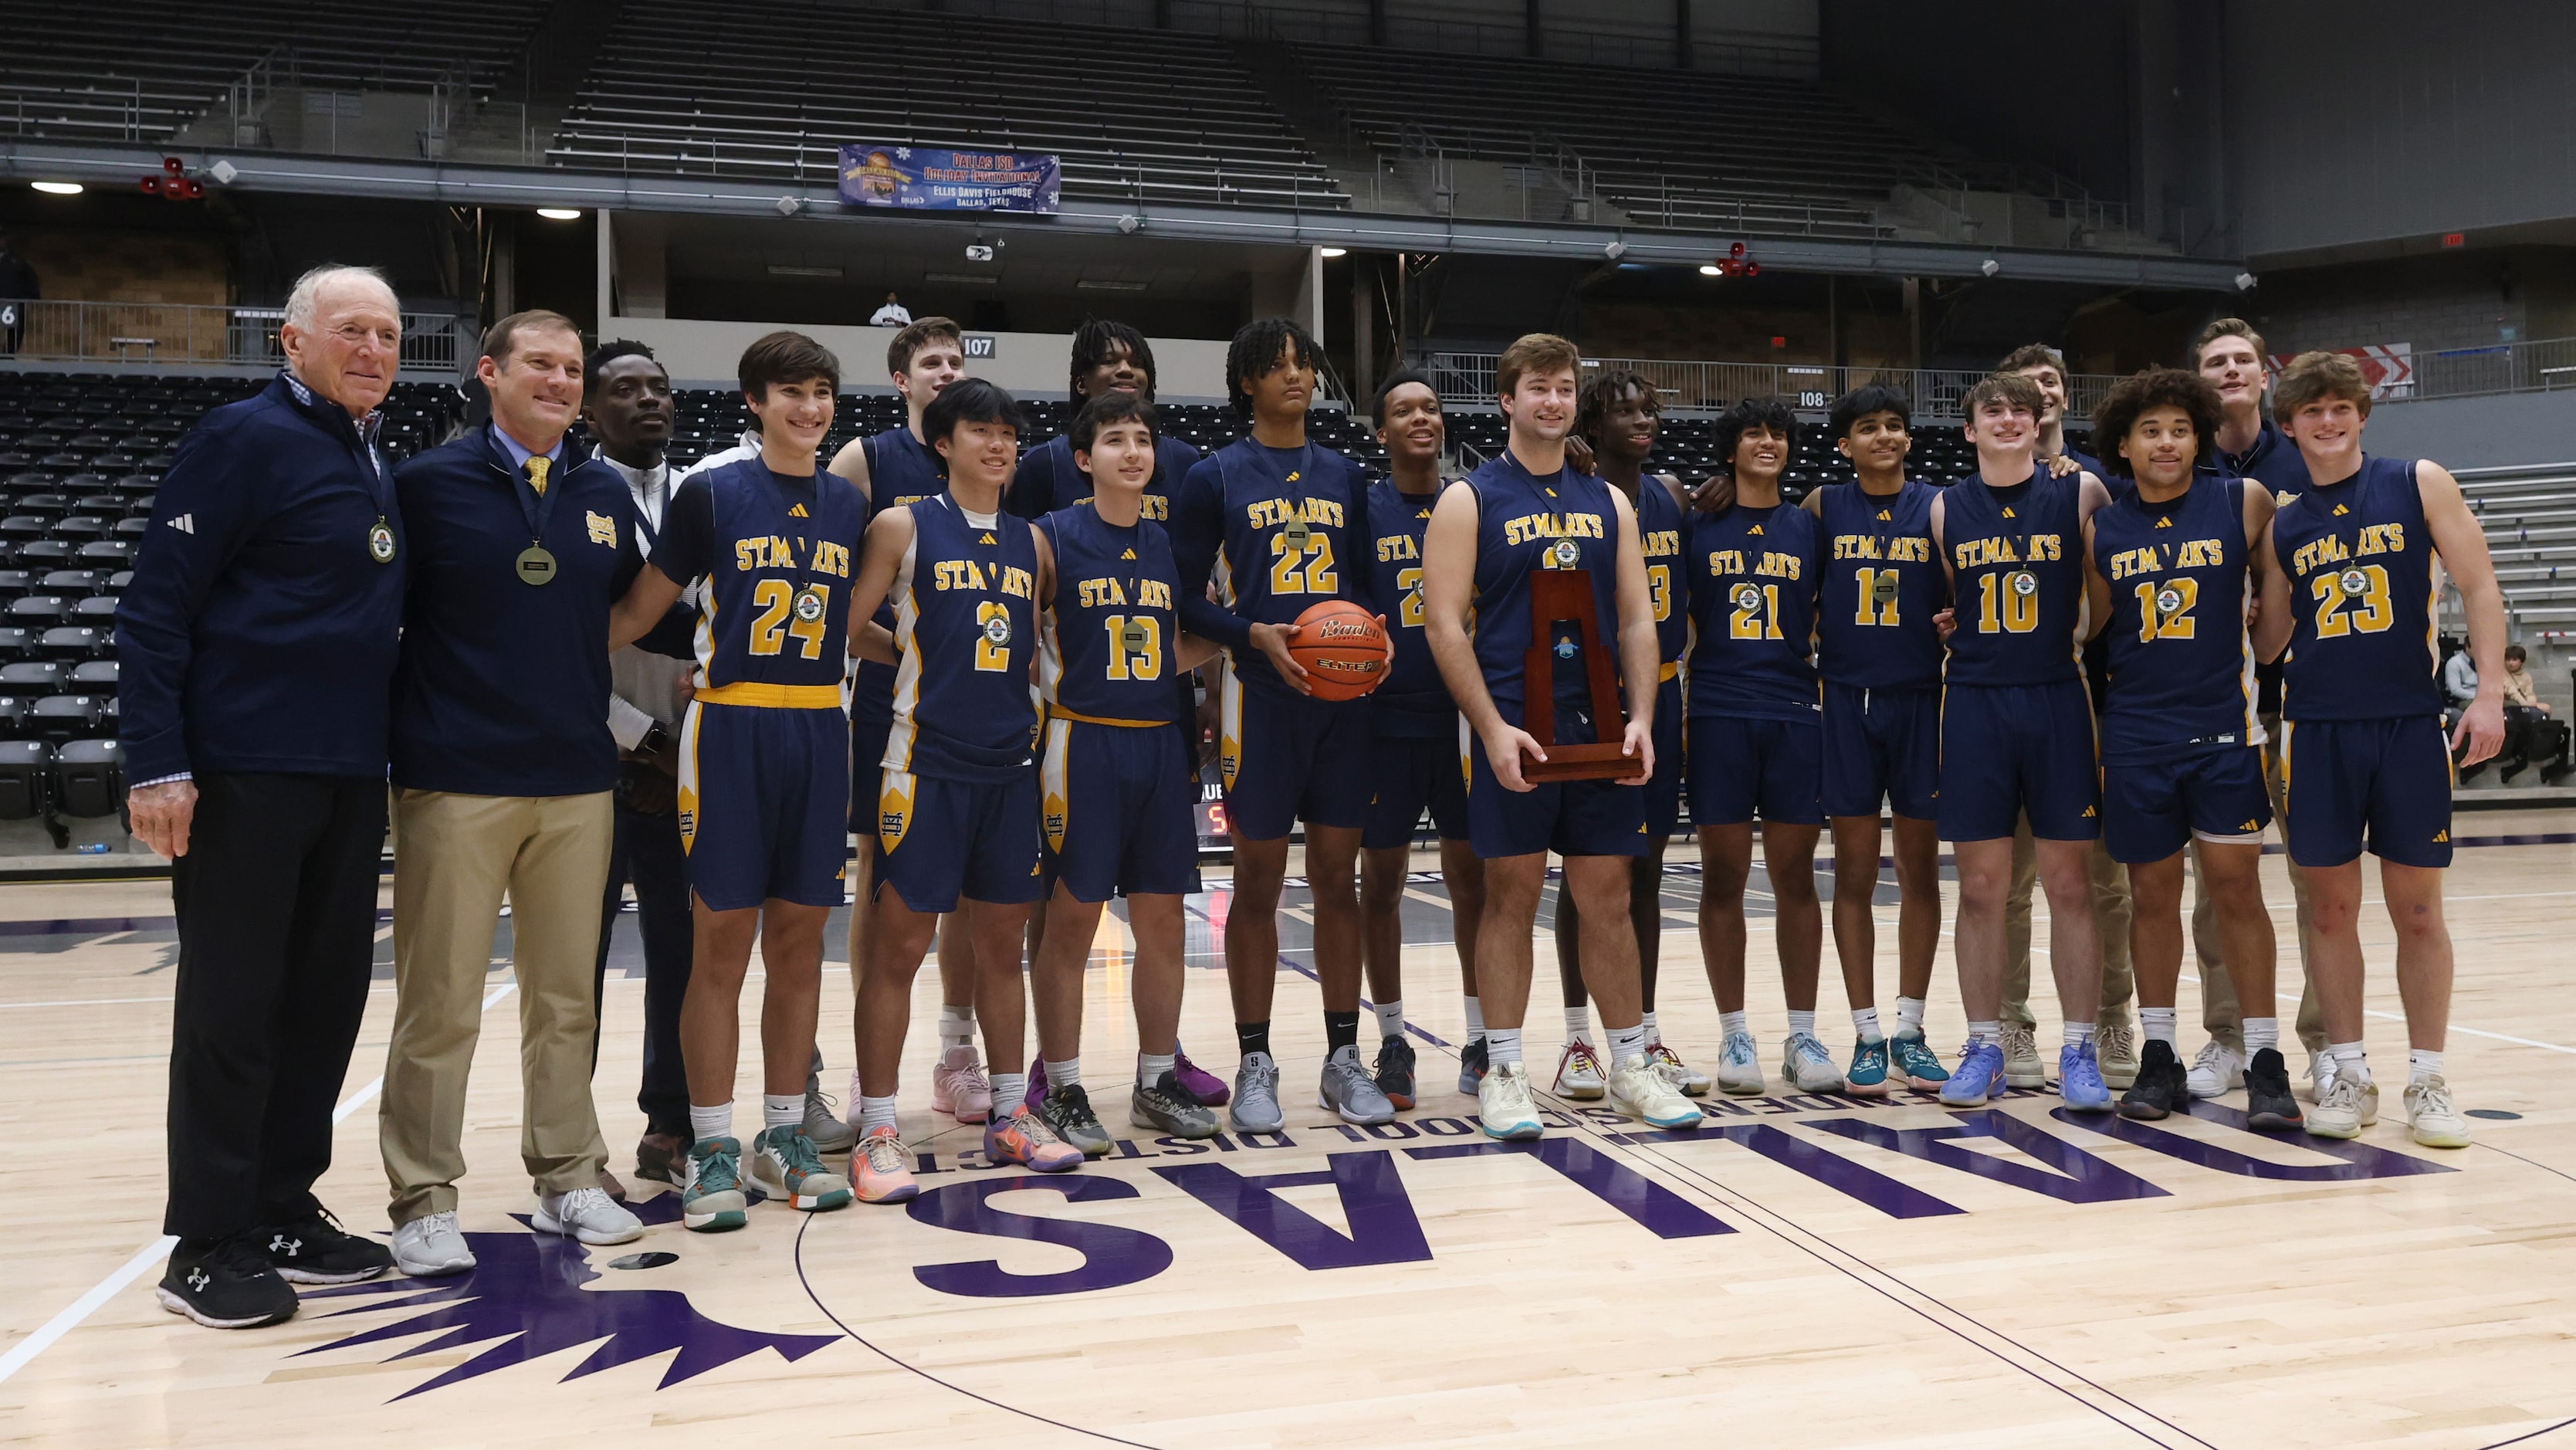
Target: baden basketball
(1343, 648)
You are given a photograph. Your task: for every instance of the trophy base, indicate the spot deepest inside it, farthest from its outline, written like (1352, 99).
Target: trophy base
(1602, 761)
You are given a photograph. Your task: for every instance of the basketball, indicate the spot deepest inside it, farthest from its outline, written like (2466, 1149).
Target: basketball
(1343, 648)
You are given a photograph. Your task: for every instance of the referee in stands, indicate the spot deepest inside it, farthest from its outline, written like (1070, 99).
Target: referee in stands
(258, 642)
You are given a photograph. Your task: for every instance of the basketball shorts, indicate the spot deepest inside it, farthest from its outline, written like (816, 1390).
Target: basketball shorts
(868, 732)
(2152, 808)
(1286, 757)
(1664, 787)
(1115, 809)
(2010, 750)
(938, 840)
(2386, 783)
(760, 792)
(1882, 745)
(1571, 818)
(1409, 774)
(1741, 768)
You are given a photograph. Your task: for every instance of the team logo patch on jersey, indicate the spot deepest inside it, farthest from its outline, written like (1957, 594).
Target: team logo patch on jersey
(603, 529)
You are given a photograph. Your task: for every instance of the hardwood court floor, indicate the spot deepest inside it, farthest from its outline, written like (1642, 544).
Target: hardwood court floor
(1806, 1270)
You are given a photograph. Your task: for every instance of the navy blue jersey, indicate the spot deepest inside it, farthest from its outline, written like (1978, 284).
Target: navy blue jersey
(2180, 657)
(965, 631)
(1277, 530)
(2017, 559)
(1046, 479)
(1526, 524)
(2360, 562)
(1109, 649)
(2274, 461)
(1753, 600)
(777, 554)
(1881, 587)
(900, 471)
(1660, 530)
(1413, 702)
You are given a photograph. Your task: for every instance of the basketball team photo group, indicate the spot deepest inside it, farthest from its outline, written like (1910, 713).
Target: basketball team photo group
(1222, 824)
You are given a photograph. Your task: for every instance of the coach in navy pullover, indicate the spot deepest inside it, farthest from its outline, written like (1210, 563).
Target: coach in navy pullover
(503, 773)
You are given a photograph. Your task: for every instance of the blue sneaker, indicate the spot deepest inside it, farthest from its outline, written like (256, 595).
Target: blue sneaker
(1916, 1062)
(2079, 1079)
(1868, 1075)
(1980, 1078)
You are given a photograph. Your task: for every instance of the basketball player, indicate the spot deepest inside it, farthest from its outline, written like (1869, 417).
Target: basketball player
(2017, 729)
(957, 811)
(2348, 589)
(1281, 524)
(1413, 748)
(2166, 568)
(762, 766)
(1618, 417)
(1879, 654)
(893, 469)
(1114, 788)
(1525, 511)
(2229, 355)
(1755, 744)
(2114, 1044)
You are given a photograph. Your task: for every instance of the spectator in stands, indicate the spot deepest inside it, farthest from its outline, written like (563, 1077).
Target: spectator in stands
(893, 314)
(627, 402)
(2529, 734)
(503, 774)
(258, 642)
(17, 289)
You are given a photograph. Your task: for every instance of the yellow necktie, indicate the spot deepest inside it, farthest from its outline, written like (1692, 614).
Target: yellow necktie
(537, 467)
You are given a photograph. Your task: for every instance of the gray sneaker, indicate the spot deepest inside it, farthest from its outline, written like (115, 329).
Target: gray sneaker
(1068, 1111)
(1348, 1090)
(823, 1121)
(1167, 1107)
(1255, 1108)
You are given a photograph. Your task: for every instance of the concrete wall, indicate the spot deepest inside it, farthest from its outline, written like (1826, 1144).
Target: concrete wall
(1030, 364)
(2509, 428)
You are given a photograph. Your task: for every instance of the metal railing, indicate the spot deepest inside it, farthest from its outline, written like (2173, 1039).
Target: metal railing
(2540, 365)
(180, 334)
(1468, 378)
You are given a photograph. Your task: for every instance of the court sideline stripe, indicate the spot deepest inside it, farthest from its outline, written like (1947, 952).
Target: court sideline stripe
(25, 1350)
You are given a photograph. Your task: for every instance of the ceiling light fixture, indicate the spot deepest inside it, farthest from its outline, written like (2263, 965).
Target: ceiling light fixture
(59, 188)
(1330, 253)
(1103, 284)
(776, 270)
(559, 213)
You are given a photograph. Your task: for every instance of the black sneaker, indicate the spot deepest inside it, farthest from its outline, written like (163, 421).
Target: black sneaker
(1068, 1110)
(663, 1157)
(314, 1249)
(226, 1284)
(1473, 1064)
(2269, 1108)
(2163, 1087)
(1394, 1071)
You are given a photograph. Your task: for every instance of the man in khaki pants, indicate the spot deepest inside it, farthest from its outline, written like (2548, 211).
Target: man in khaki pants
(504, 772)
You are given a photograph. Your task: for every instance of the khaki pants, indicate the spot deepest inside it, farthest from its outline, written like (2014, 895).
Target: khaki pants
(2219, 1012)
(455, 857)
(2110, 913)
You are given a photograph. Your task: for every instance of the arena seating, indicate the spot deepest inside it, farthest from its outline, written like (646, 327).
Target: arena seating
(748, 95)
(2530, 517)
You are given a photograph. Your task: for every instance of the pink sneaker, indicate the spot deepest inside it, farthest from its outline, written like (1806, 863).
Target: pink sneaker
(881, 1168)
(959, 1088)
(1198, 1082)
(1025, 1139)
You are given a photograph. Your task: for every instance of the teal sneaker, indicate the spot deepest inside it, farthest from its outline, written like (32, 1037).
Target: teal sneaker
(711, 1199)
(1868, 1075)
(1916, 1062)
(786, 1165)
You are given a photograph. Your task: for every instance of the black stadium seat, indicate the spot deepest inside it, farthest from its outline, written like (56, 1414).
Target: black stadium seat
(95, 675)
(30, 677)
(72, 642)
(89, 778)
(64, 717)
(26, 780)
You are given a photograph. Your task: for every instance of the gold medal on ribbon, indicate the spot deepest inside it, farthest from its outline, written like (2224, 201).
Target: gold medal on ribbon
(1747, 597)
(535, 565)
(810, 603)
(2024, 583)
(2355, 583)
(1564, 554)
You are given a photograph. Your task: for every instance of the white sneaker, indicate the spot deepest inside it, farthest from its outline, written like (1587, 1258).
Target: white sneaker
(1578, 1072)
(1641, 1089)
(2435, 1120)
(2220, 1069)
(2022, 1067)
(1807, 1066)
(1692, 1081)
(1503, 1103)
(1739, 1067)
(586, 1214)
(2348, 1106)
(430, 1247)
(2320, 1076)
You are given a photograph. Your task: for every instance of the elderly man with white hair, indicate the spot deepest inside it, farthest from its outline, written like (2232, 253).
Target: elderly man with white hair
(258, 643)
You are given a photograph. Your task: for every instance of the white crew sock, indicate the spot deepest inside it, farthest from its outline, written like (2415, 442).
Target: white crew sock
(1865, 1024)
(2159, 1023)
(1502, 1045)
(1475, 1020)
(1802, 1024)
(1627, 1044)
(2423, 1064)
(2260, 1033)
(2349, 1061)
(1010, 1092)
(1150, 1069)
(1654, 1034)
(781, 1110)
(1909, 1015)
(1731, 1023)
(875, 1113)
(1578, 1023)
(1390, 1018)
(2078, 1033)
(707, 1123)
(956, 1026)
(1984, 1032)
(1067, 1073)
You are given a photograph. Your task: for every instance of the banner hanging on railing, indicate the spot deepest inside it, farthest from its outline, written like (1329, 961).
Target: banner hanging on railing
(917, 178)
(2388, 366)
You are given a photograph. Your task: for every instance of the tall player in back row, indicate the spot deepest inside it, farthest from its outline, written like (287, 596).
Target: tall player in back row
(1279, 524)
(2348, 591)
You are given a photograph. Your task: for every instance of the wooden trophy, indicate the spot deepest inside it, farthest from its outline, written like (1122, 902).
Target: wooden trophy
(1565, 593)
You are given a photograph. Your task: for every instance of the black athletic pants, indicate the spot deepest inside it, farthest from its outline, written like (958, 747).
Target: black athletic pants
(648, 849)
(276, 901)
